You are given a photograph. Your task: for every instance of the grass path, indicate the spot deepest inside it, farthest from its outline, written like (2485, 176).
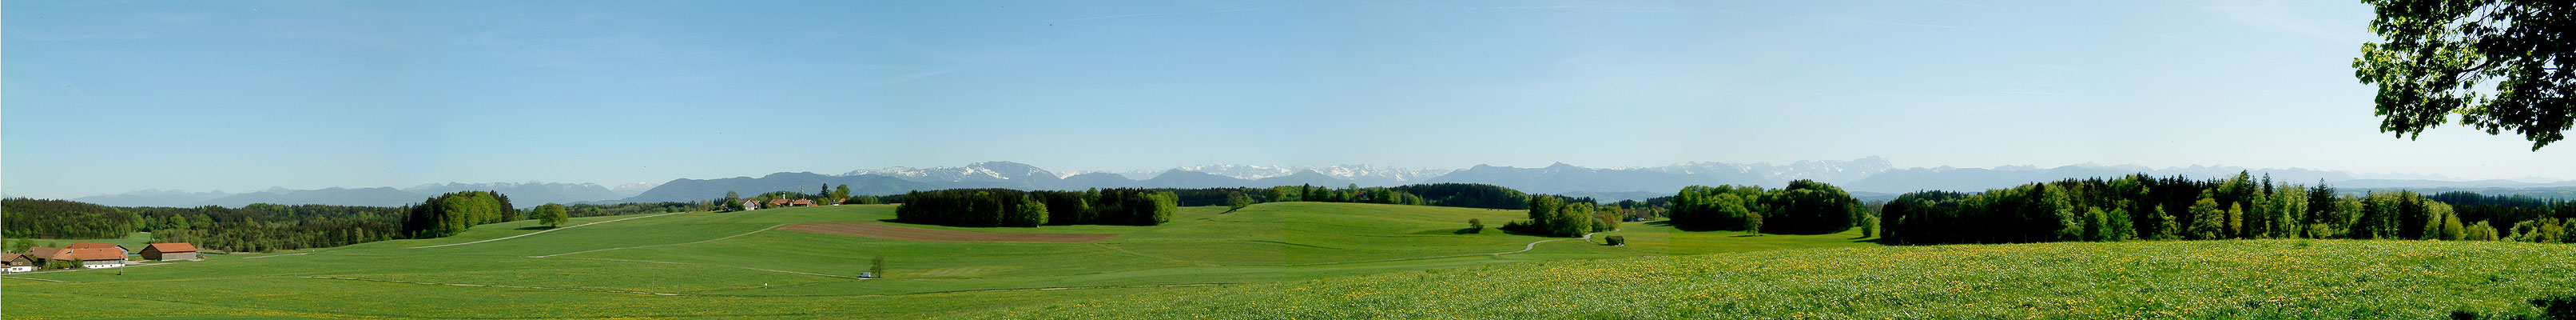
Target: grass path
(52, 280)
(1587, 238)
(1104, 246)
(774, 227)
(736, 267)
(501, 286)
(545, 231)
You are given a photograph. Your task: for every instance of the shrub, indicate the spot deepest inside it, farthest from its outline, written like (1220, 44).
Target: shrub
(1615, 241)
(1475, 226)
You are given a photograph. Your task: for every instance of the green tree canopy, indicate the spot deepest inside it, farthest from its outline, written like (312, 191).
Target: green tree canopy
(553, 215)
(2440, 53)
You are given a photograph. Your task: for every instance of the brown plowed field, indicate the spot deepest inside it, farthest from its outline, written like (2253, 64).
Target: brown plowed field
(882, 231)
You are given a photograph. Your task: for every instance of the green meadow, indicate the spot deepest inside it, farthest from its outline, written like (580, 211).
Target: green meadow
(2237, 279)
(1297, 259)
(699, 264)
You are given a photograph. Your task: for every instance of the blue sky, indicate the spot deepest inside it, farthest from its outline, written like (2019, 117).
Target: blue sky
(113, 96)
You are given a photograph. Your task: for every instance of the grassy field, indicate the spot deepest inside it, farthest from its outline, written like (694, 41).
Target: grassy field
(2253, 279)
(695, 265)
(1301, 260)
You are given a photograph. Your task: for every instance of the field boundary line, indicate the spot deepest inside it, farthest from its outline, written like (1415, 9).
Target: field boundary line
(128, 265)
(1587, 238)
(1105, 246)
(666, 244)
(545, 231)
(983, 290)
(716, 265)
(51, 280)
(500, 286)
(1074, 288)
(282, 255)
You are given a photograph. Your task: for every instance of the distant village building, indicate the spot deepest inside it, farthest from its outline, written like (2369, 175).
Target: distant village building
(120, 250)
(774, 203)
(748, 204)
(801, 203)
(93, 257)
(169, 251)
(17, 262)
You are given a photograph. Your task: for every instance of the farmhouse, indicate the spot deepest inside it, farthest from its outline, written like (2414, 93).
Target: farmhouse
(801, 203)
(17, 262)
(120, 250)
(93, 257)
(748, 204)
(169, 251)
(774, 203)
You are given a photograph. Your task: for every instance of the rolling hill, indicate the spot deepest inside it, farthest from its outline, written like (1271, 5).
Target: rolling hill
(2255, 279)
(741, 265)
(1303, 260)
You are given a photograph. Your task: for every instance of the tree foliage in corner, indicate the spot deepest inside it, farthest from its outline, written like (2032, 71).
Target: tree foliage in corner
(2439, 53)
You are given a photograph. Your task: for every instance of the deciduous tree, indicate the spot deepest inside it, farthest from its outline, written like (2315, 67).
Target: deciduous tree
(2501, 65)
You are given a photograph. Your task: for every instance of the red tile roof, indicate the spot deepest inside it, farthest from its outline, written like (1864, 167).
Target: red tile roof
(803, 202)
(170, 247)
(94, 245)
(777, 201)
(76, 253)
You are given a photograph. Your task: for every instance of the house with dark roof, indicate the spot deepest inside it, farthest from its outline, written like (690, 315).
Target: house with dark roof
(169, 251)
(17, 262)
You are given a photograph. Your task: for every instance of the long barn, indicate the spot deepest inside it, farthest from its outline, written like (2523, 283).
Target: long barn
(169, 251)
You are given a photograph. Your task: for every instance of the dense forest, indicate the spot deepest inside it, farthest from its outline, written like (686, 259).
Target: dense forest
(2175, 208)
(63, 219)
(1443, 194)
(2509, 214)
(268, 227)
(1804, 207)
(1015, 208)
(258, 227)
(593, 210)
(451, 213)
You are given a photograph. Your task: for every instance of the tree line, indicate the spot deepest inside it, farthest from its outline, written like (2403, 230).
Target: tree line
(269, 227)
(1015, 208)
(1463, 195)
(63, 219)
(1804, 207)
(2140, 207)
(1558, 216)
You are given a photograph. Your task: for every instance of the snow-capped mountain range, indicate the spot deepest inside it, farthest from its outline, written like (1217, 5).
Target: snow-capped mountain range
(1355, 173)
(979, 171)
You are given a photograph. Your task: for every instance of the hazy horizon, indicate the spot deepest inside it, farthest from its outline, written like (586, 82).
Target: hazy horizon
(114, 97)
(1897, 166)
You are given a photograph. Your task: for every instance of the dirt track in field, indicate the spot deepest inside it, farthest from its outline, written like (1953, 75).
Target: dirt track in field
(882, 231)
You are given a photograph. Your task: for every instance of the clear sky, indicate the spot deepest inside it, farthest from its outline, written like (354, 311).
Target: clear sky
(114, 96)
